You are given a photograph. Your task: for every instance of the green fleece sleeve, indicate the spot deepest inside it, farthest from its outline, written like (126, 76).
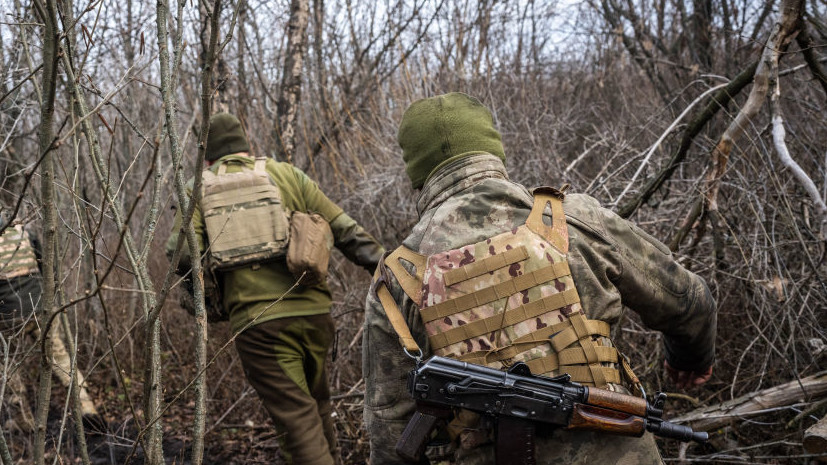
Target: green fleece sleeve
(355, 243)
(668, 297)
(314, 199)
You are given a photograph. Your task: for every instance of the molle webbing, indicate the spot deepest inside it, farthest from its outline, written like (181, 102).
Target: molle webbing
(582, 362)
(509, 318)
(17, 256)
(496, 292)
(486, 265)
(568, 346)
(596, 328)
(244, 216)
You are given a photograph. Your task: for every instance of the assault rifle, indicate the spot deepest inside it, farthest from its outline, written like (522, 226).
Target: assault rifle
(516, 399)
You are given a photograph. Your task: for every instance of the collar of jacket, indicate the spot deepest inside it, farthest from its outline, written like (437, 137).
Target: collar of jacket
(458, 176)
(234, 157)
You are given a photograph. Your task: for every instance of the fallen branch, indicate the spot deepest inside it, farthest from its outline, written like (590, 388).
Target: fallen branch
(768, 400)
(815, 438)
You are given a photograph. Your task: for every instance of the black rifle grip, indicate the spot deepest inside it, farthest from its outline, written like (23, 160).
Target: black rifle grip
(412, 443)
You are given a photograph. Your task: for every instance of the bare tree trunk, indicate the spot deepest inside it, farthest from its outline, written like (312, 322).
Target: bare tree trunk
(192, 240)
(290, 94)
(74, 390)
(110, 190)
(48, 15)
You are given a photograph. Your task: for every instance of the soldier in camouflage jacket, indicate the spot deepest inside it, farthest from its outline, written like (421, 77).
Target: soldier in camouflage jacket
(21, 286)
(454, 155)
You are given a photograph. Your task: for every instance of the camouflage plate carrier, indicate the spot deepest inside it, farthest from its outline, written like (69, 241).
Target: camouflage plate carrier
(245, 219)
(17, 257)
(510, 298)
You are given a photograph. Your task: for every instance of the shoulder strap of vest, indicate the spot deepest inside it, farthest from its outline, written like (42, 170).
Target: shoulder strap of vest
(411, 284)
(261, 162)
(557, 233)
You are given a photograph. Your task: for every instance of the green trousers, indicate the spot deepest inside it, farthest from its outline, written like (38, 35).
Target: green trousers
(285, 362)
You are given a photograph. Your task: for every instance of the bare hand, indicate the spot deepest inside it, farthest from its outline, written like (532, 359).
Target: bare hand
(687, 379)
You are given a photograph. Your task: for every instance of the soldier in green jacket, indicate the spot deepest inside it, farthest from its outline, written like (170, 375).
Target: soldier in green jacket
(454, 155)
(20, 293)
(288, 335)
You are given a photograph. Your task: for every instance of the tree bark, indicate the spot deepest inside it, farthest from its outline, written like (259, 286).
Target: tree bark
(48, 15)
(807, 389)
(192, 241)
(290, 95)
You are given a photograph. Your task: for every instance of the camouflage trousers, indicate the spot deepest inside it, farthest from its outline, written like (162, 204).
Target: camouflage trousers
(285, 362)
(61, 367)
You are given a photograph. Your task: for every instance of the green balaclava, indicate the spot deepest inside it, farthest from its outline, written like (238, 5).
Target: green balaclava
(225, 136)
(438, 130)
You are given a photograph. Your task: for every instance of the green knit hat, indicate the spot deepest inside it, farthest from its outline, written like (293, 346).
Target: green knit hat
(438, 130)
(225, 136)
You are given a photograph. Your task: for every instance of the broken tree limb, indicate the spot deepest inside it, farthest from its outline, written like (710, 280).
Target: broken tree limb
(660, 140)
(815, 438)
(778, 137)
(782, 33)
(776, 398)
(718, 101)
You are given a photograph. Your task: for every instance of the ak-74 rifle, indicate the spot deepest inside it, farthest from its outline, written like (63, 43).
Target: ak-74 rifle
(517, 400)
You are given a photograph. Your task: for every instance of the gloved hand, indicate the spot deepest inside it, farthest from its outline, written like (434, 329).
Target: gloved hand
(686, 379)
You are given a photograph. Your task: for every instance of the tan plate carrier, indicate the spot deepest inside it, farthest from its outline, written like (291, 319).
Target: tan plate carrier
(244, 216)
(17, 256)
(510, 298)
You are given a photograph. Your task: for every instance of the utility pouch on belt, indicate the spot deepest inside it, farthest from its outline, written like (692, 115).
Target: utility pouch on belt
(308, 254)
(245, 219)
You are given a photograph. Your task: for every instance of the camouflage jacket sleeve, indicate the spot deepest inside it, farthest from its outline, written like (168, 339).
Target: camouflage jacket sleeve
(34, 238)
(388, 407)
(668, 297)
